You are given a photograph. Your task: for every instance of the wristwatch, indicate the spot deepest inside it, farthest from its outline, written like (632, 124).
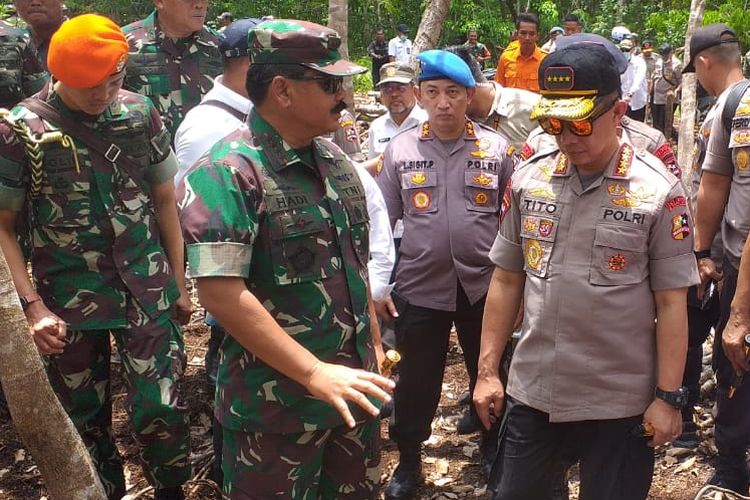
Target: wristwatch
(677, 399)
(27, 300)
(702, 254)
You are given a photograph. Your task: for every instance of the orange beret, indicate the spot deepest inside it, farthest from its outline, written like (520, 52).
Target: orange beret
(86, 50)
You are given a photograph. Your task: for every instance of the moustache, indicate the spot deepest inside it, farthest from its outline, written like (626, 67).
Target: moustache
(339, 107)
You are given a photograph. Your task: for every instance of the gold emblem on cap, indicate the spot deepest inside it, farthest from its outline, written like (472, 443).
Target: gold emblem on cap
(391, 71)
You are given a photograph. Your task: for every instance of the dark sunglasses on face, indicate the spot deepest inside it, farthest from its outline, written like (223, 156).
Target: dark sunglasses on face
(330, 84)
(392, 88)
(581, 128)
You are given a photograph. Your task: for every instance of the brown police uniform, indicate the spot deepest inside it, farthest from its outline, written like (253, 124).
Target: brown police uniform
(728, 154)
(510, 113)
(592, 258)
(448, 194)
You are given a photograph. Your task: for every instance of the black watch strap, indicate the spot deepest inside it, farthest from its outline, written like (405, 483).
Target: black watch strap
(702, 254)
(676, 399)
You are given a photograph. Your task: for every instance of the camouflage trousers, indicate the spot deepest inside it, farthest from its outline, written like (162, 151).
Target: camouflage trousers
(153, 359)
(338, 463)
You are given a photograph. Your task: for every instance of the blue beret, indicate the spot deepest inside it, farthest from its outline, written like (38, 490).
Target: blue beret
(443, 65)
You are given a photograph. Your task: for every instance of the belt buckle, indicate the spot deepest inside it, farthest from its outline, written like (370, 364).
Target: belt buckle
(113, 152)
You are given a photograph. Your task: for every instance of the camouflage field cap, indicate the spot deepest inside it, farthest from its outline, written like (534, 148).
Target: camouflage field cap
(290, 41)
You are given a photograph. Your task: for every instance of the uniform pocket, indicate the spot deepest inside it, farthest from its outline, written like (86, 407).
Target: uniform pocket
(481, 189)
(620, 256)
(359, 227)
(300, 246)
(419, 192)
(67, 208)
(148, 74)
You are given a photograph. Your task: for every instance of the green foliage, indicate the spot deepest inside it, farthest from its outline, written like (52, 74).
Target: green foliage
(658, 20)
(363, 81)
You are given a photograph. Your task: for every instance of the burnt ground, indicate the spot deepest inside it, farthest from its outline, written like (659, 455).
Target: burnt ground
(451, 463)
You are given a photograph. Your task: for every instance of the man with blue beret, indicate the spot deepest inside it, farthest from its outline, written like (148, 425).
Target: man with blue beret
(445, 179)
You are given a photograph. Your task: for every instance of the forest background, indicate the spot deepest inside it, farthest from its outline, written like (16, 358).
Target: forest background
(660, 21)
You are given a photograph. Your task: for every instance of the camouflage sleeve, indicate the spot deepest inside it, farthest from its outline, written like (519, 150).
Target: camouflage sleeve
(671, 259)
(163, 163)
(219, 216)
(33, 76)
(13, 179)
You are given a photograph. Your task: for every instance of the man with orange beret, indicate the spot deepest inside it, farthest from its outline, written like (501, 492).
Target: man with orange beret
(95, 184)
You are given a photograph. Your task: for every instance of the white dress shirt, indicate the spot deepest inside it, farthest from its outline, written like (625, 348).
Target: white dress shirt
(382, 250)
(205, 125)
(400, 49)
(383, 128)
(634, 84)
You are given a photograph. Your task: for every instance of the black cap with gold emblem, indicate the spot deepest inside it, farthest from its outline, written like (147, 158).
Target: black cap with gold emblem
(573, 80)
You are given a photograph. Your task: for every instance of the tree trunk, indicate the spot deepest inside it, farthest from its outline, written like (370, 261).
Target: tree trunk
(688, 103)
(433, 18)
(338, 19)
(43, 425)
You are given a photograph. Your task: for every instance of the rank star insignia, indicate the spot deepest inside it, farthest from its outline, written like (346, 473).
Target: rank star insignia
(534, 254)
(742, 159)
(680, 227)
(624, 161)
(419, 178)
(561, 167)
(482, 179)
(425, 130)
(617, 262)
(470, 129)
(421, 200)
(481, 199)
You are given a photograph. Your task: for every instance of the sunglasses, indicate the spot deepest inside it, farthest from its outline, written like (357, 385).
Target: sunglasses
(393, 88)
(330, 84)
(581, 128)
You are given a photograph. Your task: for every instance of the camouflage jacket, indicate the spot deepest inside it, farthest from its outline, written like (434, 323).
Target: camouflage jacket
(174, 73)
(21, 74)
(295, 228)
(94, 232)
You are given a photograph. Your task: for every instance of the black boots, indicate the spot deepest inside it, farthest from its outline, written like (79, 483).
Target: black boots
(406, 477)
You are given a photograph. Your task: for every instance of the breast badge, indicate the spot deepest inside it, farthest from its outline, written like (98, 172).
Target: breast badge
(421, 200)
(483, 179)
(742, 159)
(534, 254)
(419, 178)
(481, 199)
(530, 225)
(680, 227)
(617, 262)
(545, 227)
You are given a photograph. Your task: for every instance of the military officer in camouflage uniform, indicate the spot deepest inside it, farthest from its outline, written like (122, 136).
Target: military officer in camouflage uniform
(95, 165)
(21, 75)
(173, 58)
(275, 221)
(43, 18)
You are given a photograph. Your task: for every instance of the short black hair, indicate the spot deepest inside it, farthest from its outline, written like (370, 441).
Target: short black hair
(571, 18)
(259, 77)
(464, 53)
(527, 17)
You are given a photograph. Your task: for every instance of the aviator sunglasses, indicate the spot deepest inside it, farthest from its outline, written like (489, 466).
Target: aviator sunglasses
(581, 128)
(330, 84)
